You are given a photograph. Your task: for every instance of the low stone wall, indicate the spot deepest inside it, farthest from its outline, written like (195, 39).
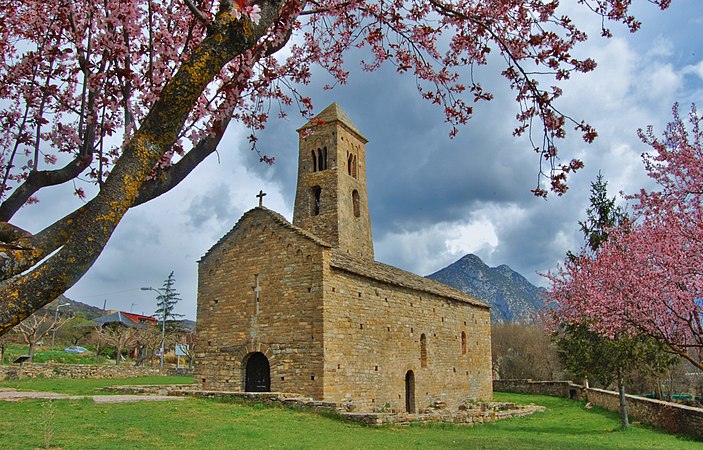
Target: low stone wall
(556, 388)
(53, 370)
(470, 414)
(672, 417)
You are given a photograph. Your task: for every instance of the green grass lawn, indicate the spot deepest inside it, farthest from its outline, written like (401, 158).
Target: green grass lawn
(89, 386)
(205, 424)
(46, 354)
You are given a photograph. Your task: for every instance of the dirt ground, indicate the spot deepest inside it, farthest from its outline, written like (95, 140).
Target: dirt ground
(12, 395)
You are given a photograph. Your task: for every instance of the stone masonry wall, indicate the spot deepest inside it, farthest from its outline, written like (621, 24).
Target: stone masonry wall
(672, 417)
(372, 339)
(285, 324)
(53, 370)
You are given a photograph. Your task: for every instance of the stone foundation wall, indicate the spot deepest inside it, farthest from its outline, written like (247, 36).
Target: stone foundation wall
(52, 370)
(672, 417)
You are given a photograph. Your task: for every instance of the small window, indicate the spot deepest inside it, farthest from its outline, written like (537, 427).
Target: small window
(355, 203)
(463, 343)
(423, 350)
(316, 194)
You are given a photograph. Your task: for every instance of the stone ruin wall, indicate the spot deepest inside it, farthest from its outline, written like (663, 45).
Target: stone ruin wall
(54, 370)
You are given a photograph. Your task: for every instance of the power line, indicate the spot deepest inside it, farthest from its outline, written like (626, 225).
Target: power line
(107, 293)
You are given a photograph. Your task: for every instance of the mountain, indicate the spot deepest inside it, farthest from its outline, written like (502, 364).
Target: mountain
(511, 296)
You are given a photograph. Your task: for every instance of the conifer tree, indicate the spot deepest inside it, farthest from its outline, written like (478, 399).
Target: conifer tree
(584, 351)
(166, 301)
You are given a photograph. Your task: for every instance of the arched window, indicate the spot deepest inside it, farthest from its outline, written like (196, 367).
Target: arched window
(463, 343)
(423, 350)
(355, 203)
(316, 193)
(314, 161)
(351, 165)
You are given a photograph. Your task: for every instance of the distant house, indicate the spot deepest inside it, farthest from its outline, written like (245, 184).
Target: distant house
(119, 318)
(126, 319)
(148, 320)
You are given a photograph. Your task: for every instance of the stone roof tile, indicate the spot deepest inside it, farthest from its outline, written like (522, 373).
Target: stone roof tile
(333, 113)
(392, 275)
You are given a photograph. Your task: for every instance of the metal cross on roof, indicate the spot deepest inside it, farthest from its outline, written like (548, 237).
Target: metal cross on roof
(261, 196)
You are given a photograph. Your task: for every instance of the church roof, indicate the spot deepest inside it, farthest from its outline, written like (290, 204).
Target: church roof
(277, 218)
(363, 267)
(392, 275)
(333, 113)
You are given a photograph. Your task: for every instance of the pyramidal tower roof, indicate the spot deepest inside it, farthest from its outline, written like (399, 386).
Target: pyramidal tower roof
(333, 113)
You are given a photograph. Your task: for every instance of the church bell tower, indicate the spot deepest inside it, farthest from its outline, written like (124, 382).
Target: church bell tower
(331, 200)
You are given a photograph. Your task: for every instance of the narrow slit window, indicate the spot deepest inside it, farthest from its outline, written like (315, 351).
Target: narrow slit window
(355, 203)
(423, 350)
(316, 194)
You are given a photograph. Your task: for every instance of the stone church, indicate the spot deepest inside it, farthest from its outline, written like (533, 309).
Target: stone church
(303, 307)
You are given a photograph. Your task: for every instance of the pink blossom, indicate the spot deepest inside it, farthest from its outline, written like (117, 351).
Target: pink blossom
(648, 277)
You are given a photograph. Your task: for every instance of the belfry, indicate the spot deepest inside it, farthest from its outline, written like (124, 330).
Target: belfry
(304, 308)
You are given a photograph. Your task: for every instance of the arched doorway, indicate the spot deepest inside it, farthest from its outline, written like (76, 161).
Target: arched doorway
(410, 392)
(258, 373)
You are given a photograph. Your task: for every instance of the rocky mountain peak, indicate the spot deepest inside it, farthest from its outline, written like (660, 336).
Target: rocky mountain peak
(511, 296)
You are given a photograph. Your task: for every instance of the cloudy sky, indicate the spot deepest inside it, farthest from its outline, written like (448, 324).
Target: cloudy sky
(432, 199)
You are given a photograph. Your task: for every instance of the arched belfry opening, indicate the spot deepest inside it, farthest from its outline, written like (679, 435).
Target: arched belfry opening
(410, 392)
(257, 373)
(352, 165)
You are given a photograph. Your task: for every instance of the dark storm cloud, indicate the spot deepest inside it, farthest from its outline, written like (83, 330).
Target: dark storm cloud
(432, 199)
(212, 204)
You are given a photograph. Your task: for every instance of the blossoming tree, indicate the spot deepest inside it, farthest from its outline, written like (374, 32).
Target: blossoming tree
(134, 94)
(648, 278)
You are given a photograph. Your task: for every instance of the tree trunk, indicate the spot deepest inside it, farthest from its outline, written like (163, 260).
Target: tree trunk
(31, 351)
(118, 354)
(624, 420)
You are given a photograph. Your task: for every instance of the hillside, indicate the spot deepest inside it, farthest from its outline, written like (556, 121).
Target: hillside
(72, 308)
(511, 296)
